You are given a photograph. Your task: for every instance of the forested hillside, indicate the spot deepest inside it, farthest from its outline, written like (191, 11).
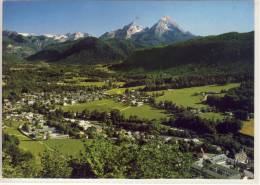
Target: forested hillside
(211, 51)
(85, 51)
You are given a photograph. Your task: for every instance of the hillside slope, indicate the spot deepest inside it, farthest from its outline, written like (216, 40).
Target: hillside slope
(18, 45)
(89, 50)
(211, 50)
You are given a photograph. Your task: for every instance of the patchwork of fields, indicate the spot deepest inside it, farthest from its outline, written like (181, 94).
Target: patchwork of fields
(144, 111)
(192, 97)
(187, 97)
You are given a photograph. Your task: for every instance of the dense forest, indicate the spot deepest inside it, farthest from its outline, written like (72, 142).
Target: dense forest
(210, 51)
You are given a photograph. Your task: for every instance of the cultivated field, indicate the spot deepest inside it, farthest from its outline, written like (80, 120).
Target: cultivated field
(248, 128)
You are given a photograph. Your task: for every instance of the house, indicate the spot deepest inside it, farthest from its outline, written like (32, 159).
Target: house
(196, 141)
(218, 159)
(241, 157)
(133, 102)
(215, 171)
(31, 102)
(84, 124)
(211, 168)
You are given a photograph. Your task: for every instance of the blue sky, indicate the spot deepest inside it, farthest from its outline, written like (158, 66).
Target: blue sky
(201, 17)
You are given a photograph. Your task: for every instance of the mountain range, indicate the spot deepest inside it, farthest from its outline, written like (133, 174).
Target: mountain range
(164, 45)
(165, 31)
(23, 45)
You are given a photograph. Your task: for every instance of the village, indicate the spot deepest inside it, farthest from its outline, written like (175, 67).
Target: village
(35, 126)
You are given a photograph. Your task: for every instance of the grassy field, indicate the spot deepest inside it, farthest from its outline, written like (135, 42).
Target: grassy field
(100, 105)
(81, 81)
(122, 90)
(248, 128)
(144, 111)
(103, 68)
(185, 97)
(96, 84)
(65, 146)
(212, 115)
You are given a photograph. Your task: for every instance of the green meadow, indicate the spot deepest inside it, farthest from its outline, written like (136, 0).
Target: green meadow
(66, 147)
(212, 115)
(187, 96)
(122, 90)
(144, 111)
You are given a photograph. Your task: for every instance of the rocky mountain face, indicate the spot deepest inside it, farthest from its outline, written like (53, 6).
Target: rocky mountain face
(125, 33)
(23, 45)
(165, 31)
(67, 36)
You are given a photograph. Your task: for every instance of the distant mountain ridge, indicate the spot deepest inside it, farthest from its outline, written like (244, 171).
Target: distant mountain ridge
(165, 31)
(89, 50)
(130, 37)
(21, 45)
(164, 45)
(67, 36)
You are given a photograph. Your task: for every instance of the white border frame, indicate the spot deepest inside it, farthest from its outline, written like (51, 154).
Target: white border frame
(157, 181)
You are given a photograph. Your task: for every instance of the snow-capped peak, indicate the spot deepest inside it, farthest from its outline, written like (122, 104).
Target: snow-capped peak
(132, 29)
(49, 35)
(67, 36)
(26, 34)
(166, 18)
(124, 33)
(76, 35)
(166, 24)
(58, 37)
